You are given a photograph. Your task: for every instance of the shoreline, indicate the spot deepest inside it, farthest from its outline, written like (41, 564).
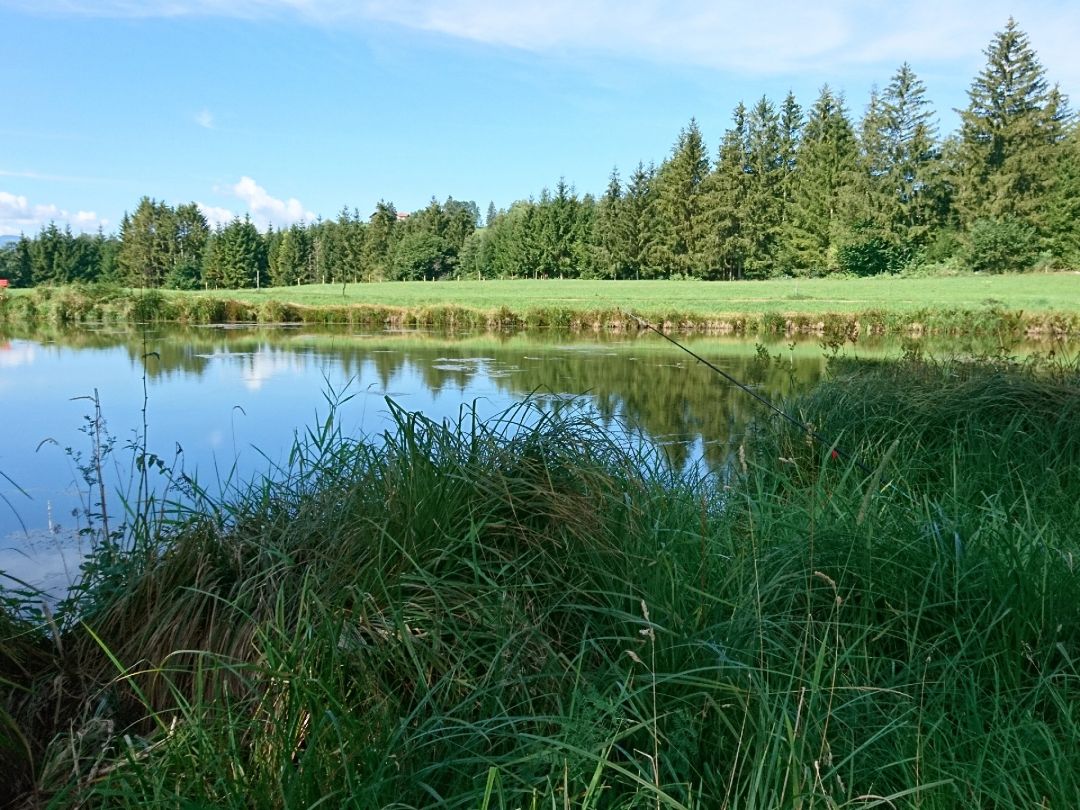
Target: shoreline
(77, 305)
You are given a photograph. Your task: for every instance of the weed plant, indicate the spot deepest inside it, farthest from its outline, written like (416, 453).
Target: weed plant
(532, 612)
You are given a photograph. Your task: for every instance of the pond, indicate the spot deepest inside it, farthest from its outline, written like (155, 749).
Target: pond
(224, 403)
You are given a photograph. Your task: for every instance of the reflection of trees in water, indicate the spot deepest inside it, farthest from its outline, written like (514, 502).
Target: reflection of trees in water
(647, 386)
(674, 402)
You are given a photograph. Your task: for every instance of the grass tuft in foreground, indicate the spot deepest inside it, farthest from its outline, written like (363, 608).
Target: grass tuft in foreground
(526, 612)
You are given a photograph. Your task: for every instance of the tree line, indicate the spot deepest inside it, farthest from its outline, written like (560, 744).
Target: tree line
(788, 192)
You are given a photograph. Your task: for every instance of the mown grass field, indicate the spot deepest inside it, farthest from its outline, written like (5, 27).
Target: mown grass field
(1045, 292)
(1016, 306)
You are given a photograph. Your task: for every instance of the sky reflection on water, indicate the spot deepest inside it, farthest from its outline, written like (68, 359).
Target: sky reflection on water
(226, 402)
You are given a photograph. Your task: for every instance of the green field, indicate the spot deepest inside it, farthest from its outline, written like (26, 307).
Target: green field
(1045, 292)
(1018, 306)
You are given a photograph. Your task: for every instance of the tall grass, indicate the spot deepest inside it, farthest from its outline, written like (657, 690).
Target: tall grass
(533, 612)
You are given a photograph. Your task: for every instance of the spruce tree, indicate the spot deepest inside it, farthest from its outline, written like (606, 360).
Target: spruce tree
(1010, 133)
(558, 232)
(763, 213)
(827, 159)
(236, 256)
(148, 243)
(900, 193)
(639, 227)
(191, 232)
(459, 219)
(349, 235)
(1063, 206)
(914, 173)
(379, 241)
(20, 263)
(791, 125)
(291, 260)
(723, 204)
(679, 209)
(610, 254)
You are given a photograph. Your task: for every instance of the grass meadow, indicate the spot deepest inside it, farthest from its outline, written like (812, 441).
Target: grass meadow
(1006, 306)
(532, 612)
(1031, 292)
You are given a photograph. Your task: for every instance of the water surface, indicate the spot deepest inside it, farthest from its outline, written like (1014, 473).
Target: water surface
(225, 402)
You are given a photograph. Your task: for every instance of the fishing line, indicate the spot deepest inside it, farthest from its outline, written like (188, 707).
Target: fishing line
(805, 428)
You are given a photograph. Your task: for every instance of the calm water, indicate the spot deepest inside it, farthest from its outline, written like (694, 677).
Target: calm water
(224, 401)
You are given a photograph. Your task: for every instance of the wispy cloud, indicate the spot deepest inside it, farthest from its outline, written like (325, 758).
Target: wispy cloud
(204, 118)
(19, 215)
(263, 208)
(764, 37)
(267, 210)
(59, 178)
(216, 215)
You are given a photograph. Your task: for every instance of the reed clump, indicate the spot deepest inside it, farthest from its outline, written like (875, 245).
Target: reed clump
(534, 610)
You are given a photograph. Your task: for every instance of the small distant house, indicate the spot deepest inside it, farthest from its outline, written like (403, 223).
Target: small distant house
(4, 283)
(402, 216)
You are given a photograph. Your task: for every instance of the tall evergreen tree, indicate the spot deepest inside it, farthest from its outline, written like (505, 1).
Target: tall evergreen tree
(191, 233)
(639, 229)
(379, 241)
(679, 208)
(827, 168)
(327, 251)
(350, 237)
(236, 256)
(558, 232)
(1010, 133)
(1062, 223)
(18, 263)
(459, 219)
(724, 199)
(608, 247)
(763, 214)
(291, 259)
(147, 243)
(791, 125)
(900, 197)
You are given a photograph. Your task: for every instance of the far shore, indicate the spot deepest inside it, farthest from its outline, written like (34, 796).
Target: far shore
(1029, 305)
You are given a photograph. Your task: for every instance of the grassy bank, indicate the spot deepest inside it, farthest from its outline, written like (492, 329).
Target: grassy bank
(527, 613)
(1019, 305)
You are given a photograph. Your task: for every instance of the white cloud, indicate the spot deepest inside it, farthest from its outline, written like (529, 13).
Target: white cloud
(764, 37)
(263, 366)
(62, 178)
(17, 354)
(215, 215)
(267, 210)
(204, 118)
(776, 37)
(18, 215)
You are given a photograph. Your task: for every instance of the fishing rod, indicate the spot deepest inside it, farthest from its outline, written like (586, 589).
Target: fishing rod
(805, 428)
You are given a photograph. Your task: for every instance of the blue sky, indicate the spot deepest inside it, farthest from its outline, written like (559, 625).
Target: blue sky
(288, 109)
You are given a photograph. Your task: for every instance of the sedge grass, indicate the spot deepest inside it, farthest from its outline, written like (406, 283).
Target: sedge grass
(530, 612)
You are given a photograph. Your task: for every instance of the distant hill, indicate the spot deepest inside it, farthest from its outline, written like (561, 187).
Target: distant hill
(7, 240)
